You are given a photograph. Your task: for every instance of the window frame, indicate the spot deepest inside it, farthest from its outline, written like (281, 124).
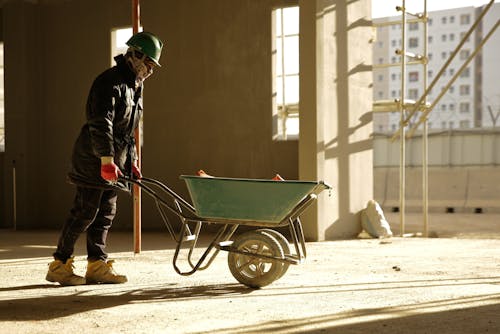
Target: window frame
(284, 113)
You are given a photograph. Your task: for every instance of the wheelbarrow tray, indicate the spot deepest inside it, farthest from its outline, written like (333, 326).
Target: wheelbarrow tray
(248, 200)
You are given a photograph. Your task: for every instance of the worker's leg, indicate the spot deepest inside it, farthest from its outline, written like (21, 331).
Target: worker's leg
(84, 211)
(97, 232)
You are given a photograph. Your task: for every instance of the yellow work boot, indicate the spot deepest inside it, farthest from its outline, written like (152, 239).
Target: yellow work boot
(102, 272)
(63, 274)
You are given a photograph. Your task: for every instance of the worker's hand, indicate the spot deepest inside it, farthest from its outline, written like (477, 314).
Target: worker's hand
(109, 170)
(136, 170)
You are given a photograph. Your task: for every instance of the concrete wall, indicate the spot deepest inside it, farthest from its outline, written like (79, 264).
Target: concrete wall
(208, 107)
(335, 126)
(464, 171)
(480, 147)
(460, 189)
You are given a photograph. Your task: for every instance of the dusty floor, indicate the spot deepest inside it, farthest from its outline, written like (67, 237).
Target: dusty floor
(449, 284)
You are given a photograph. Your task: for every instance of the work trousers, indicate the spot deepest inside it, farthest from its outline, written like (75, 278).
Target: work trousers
(93, 211)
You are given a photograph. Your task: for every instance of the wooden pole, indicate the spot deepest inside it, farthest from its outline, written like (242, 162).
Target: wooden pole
(136, 14)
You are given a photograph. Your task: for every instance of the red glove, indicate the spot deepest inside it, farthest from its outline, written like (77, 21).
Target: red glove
(109, 171)
(136, 171)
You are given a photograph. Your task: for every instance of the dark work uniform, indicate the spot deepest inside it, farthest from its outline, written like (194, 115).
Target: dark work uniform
(114, 108)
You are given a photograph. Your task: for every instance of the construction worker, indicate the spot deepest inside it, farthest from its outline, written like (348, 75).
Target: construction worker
(104, 151)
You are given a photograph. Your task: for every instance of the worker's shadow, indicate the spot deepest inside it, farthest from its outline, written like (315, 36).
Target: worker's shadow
(66, 303)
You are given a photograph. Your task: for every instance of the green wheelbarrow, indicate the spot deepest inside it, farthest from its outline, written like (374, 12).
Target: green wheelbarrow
(256, 257)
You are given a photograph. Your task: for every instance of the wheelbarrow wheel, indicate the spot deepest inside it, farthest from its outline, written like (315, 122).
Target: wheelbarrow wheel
(283, 243)
(255, 271)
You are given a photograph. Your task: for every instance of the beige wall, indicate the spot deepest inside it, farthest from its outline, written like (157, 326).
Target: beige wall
(336, 124)
(463, 189)
(209, 107)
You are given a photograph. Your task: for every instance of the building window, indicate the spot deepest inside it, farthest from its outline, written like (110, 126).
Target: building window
(452, 71)
(464, 54)
(413, 76)
(393, 43)
(443, 55)
(462, 35)
(465, 124)
(380, 77)
(452, 37)
(285, 55)
(393, 76)
(429, 21)
(452, 89)
(451, 124)
(413, 42)
(443, 20)
(429, 39)
(413, 26)
(413, 93)
(452, 19)
(429, 73)
(451, 106)
(464, 89)
(429, 56)
(464, 19)
(443, 38)
(465, 73)
(464, 107)
(119, 38)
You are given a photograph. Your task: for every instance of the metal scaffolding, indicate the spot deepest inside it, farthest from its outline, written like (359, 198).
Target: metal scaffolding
(402, 104)
(411, 107)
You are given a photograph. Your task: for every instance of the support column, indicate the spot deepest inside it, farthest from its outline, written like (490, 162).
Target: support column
(335, 113)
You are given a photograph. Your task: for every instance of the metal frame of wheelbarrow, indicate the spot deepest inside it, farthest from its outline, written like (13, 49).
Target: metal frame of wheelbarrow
(221, 241)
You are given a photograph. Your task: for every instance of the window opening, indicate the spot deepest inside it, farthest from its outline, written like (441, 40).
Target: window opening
(285, 73)
(119, 38)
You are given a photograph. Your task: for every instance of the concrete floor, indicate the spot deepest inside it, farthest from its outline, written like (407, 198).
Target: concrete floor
(449, 284)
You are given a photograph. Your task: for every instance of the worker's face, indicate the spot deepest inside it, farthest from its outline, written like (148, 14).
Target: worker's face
(150, 64)
(143, 65)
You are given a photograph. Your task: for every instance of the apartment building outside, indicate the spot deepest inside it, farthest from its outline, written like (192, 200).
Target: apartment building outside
(473, 101)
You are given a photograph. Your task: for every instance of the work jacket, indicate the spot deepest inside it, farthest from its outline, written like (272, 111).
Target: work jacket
(114, 108)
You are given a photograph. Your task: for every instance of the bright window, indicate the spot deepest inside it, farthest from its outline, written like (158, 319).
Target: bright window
(119, 38)
(285, 55)
(413, 76)
(464, 19)
(413, 42)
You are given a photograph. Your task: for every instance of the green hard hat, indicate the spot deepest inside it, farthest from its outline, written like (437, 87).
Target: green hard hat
(147, 43)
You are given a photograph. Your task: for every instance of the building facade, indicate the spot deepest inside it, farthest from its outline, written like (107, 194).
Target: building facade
(473, 100)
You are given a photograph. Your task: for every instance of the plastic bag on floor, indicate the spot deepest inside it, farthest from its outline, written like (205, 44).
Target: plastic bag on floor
(373, 221)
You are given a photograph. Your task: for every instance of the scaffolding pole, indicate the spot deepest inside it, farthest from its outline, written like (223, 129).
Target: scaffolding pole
(425, 147)
(402, 143)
